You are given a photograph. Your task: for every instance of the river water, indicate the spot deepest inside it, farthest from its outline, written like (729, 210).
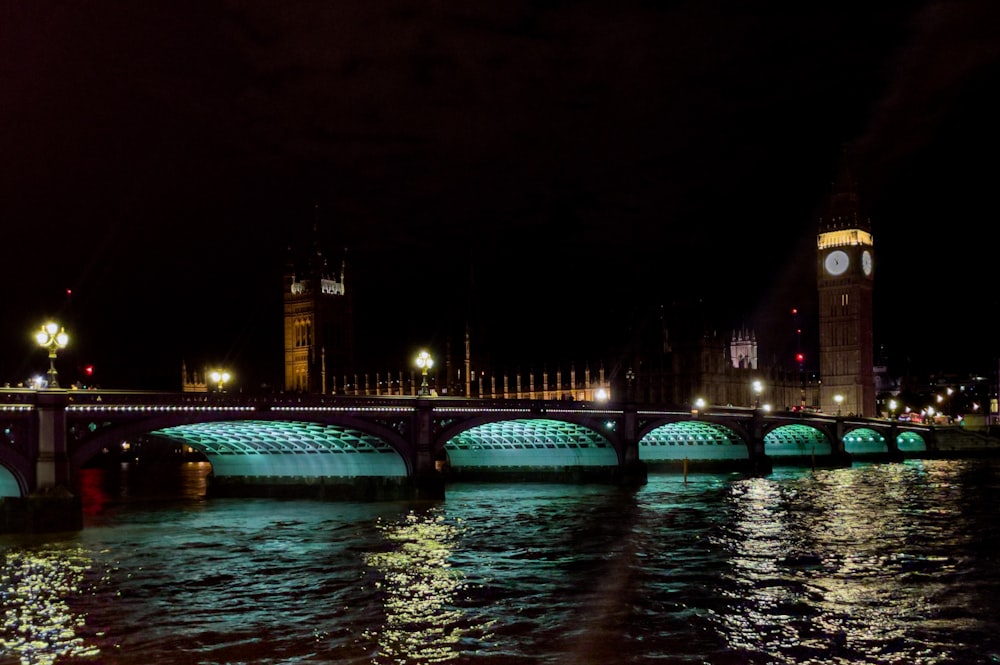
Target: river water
(878, 563)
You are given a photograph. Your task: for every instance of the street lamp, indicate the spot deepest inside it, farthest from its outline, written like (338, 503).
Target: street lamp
(892, 409)
(758, 388)
(839, 399)
(424, 362)
(53, 337)
(944, 408)
(220, 378)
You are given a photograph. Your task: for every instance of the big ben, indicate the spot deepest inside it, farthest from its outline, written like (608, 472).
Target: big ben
(845, 277)
(319, 323)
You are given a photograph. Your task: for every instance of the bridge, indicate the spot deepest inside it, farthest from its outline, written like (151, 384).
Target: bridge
(387, 447)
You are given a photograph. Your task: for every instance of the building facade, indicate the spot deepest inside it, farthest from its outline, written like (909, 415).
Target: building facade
(679, 360)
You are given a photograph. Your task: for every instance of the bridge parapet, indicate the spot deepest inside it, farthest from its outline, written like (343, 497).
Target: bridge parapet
(287, 401)
(12, 398)
(94, 398)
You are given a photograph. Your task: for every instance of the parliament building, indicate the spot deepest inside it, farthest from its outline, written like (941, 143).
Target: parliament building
(675, 361)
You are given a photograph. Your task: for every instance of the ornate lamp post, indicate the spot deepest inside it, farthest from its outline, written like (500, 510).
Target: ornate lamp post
(424, 362)
(758, 388)
(220, 378)
(839, 399)
(53, 337)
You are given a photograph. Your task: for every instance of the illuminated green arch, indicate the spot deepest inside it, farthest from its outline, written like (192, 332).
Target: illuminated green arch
(265, 448)
(692, 439)
(796, 440)
(911, 442)
(865, 441)
(8, 483)
(529, 443)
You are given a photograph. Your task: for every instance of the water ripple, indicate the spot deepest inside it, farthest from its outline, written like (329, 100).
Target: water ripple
(881, 564)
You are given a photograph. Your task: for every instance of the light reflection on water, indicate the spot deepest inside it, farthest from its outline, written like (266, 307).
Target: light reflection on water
(38, 624)
(418, 589)
(823, 567)
(882, 564)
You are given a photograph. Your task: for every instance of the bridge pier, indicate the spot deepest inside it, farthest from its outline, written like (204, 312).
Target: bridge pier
(52, 461)
(760, 463)
(632, 474)
(840, 457)
(42, 512)
(49, 506)
(428, 482)
(428, 485)
(892, 443)
(632, 471)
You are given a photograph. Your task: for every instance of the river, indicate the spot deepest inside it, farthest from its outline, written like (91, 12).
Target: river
(877, 563)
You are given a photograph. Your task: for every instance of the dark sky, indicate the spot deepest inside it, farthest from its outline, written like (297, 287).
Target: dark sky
(550, 170)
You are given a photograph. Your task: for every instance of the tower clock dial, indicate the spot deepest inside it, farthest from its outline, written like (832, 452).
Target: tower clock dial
(836, 262)
(866, 262)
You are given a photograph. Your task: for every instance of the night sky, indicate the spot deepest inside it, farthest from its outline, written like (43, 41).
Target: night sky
(552, 172)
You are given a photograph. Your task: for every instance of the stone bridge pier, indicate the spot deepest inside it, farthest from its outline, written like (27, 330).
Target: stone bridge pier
(49, 505)
(759, 461)
(52, 459)
(428, 483)
(632, 469)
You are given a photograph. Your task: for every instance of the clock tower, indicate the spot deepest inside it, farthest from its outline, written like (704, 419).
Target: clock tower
(845, 275)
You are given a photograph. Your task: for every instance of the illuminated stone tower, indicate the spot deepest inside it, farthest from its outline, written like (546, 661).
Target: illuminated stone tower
(743, 349)
(845, 275)
(319, 323)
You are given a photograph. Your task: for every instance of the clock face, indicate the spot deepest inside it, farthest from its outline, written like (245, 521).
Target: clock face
(836, 262)
(866, 262)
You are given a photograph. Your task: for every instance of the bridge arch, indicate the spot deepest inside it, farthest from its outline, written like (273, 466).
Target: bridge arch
(692, 440)
(911, 442)
(260, 445)
(796, 440)
(538, 443)
(12, 483)
(864, 441)
(15, 470)
(276, 448)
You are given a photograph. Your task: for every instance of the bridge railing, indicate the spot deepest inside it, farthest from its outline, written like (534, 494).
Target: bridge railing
(126, 398)
(13, 397)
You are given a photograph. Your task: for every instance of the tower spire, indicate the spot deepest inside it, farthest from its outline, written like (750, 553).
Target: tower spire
(843, 206)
